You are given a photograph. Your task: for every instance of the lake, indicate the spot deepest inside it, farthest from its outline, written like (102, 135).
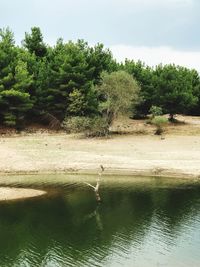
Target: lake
(143, 222)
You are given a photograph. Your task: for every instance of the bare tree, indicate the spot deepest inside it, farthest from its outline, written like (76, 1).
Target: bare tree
(96, 188)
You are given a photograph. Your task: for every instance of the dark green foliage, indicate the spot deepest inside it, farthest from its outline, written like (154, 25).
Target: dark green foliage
(100, 60)
(7, 59)
(34, 42)
(195, 80)
(144, 76)
(174, 89)
(15, 81)
(73, 79)
(14, 105)
(70, 75)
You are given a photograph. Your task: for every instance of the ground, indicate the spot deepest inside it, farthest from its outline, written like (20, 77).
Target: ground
(139, 151)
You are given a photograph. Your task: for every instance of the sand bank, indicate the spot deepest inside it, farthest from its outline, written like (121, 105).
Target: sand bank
(9, 193)
(129, 154)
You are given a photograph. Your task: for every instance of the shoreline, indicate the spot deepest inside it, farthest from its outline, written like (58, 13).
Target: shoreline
(11, 193)
(162, 173)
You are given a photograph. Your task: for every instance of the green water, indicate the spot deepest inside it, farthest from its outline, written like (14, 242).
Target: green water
(140, 222)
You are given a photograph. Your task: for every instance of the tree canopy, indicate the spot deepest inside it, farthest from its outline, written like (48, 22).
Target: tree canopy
(75, 79)
(119, 92)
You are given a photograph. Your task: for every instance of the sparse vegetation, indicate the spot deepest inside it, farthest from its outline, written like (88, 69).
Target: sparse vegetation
(91, 127)
(159, 122)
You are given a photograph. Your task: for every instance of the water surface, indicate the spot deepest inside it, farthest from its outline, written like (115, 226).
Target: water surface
(140, 222)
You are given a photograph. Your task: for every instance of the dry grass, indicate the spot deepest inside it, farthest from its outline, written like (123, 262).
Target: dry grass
(185, 125)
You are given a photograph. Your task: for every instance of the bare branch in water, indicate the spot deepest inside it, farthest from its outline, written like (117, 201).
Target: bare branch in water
(90, 185)
(96, 188)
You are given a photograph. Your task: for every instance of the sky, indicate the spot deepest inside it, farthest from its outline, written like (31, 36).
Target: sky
(154, 31)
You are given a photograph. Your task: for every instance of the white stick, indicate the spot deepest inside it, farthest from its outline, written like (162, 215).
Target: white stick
(96, 188)
(90, 185)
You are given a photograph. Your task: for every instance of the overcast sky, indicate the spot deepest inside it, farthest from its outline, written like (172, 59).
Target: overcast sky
(154, 31)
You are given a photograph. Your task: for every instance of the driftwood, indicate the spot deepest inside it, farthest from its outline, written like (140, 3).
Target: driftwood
(96, 188)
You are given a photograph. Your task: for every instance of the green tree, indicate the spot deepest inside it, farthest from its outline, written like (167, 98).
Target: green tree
(195, 79)
(100, 59)
(69, 72)
(15, 81)
(34, 42)
(23, 80)
(174, 89)
(119, 93)
(144, 76)
(14, 105)
(39, 69)
(7, 59)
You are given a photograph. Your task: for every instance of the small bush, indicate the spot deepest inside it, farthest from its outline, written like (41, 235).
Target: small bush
(91, 127)
(155, 111)
(76, 124)
(159, 122)
(99, 127)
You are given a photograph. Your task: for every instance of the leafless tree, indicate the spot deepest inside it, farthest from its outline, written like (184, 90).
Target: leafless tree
(96, 188)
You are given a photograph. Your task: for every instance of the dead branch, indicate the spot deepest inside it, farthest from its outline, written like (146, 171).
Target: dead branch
(96, 188)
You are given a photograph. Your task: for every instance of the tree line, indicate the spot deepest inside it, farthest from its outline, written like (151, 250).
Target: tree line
(77, 84)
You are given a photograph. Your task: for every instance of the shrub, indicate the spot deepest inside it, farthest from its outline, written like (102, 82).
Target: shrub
(91, 127)
(155, 111)
(159, 122)
(76, 124)
(99, 127)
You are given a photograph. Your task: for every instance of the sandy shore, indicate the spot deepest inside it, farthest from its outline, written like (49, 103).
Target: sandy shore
(142, 154)
(8, 193)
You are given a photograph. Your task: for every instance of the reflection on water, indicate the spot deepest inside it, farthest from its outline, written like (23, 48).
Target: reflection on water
(139, 223)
